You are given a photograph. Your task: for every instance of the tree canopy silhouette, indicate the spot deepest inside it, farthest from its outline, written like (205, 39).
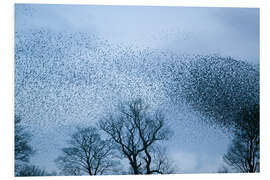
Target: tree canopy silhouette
(87, 153)
(244, 152)
(137, 133)
(23, 149)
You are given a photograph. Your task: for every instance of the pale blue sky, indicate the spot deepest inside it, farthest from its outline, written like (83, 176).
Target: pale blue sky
(228, 31)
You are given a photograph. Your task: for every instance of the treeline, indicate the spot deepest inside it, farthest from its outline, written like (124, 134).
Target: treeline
(244, 151)
(129, 141)
(129, 137)
(23, 151)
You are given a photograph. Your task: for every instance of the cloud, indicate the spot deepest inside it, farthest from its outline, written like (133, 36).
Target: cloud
(186, 161)
(227, 31)
(196, 162)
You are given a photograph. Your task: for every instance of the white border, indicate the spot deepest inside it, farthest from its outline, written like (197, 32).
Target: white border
(7, 71)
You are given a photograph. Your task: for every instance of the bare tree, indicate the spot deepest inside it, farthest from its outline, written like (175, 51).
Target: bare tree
(32, 170)
(223, 169)
(87, 153)
(67, 167)
(136, 131)
(23, 150)
(243, 154)
(161, 161)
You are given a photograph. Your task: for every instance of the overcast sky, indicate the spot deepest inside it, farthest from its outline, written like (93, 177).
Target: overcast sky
(228, 31)
(196, 147)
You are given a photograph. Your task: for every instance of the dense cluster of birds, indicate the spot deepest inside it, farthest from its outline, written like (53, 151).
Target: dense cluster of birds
(65, 79)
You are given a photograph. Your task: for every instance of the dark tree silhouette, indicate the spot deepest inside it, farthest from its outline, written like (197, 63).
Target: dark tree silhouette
(243, 154)
(68, 168)
(32, 170)
(23, 150)
(161, 162)
(224, 90)
(223, 169)
(136, 132)
(87, 153)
